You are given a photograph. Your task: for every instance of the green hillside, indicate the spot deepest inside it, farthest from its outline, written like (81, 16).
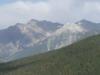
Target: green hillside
(81, 58)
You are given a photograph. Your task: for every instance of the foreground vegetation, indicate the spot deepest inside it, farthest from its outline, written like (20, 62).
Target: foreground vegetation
(81, 58)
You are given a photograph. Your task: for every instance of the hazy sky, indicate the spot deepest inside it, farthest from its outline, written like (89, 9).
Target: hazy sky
(13, 11)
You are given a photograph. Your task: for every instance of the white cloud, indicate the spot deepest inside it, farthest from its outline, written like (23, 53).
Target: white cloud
(54, 10)
(74, 10)
(22, 11)
(92, 7)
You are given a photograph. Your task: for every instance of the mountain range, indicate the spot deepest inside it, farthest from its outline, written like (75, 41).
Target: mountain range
(34, 37)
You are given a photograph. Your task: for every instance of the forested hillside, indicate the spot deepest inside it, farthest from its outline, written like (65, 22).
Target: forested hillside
(81, 58)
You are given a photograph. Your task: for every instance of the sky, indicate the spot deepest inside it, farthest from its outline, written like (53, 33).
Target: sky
(62, 11)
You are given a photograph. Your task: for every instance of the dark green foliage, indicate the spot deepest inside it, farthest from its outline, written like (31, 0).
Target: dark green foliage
(81, 58)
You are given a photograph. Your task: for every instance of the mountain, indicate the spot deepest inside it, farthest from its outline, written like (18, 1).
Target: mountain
(34, 37)
(18, 38)
(90, 26)
(81, 58)
(69, 33)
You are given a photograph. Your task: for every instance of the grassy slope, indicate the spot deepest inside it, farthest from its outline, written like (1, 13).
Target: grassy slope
(81, 58)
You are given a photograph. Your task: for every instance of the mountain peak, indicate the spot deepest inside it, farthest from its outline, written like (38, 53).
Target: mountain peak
(33, 20)
(83, 21)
